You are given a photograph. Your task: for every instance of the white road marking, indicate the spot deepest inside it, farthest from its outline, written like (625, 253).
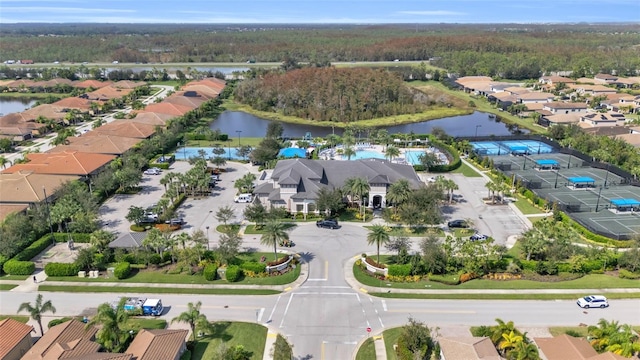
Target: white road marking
(260, 314)
(286, 309)
(274, 309)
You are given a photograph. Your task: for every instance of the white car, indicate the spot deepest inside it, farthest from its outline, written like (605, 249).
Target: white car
(593, 301)
(152, 171)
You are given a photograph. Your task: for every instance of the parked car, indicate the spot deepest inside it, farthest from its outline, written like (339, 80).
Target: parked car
(152, 171)
(243, 198)
(175, 221)
(593, 301)
(478, 237)
(457, 224)
(328, 224)
(215, 177)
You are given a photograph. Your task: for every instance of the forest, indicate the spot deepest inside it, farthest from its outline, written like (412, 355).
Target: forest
(509, 51)
(331, 94)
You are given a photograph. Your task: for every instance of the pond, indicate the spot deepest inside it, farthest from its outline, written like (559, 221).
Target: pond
(478, 123)
(14, 105)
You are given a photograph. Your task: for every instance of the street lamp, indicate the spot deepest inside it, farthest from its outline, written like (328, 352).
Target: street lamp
(477, 126)
(238, 132)
(207, 237)
(46, 201)
(598, 202)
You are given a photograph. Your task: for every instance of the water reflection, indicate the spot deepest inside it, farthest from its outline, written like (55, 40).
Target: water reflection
(467, 125)
(14, 105)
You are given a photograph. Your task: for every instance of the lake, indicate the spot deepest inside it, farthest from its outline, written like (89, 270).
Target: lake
(14, 105)
(478, 123)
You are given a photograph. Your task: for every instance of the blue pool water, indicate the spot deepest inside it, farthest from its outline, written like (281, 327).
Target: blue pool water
(365, 154)
(189, 152)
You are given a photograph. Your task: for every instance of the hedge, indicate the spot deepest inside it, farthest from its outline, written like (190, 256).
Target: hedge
(210, 272)
(626, 274)
(61, 269)
(399, 270)
(454, 164)
(55, 322)
(122, 270)
(233, 273)
(253, 266)
(34, 249)
(16, 267)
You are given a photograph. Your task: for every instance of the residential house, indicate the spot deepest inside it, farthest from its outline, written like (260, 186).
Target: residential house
(621, 102)
(592, 90)
(294, 183)
(73, 102)
(604, 130)
(28, 187)
(565, 347)
(15, 339)
(100, 144)
(21, 85)
(202, 90)
(48, 111)
(212, 83)
(152, 118)
(63, 163)
(535, 97)
(603, 119)
(94, 84)
(551, 81)
(167, 108)
(186, 98)
(633, 139)
(605, 78)
(21, 126)
(559, 119)
(467, 348)
(71, 339)
(565, 107)
(6, 209)
(107, 93)
(503, 99)
(516, 90)
(162, 344)
(124, 128)
(128, 84)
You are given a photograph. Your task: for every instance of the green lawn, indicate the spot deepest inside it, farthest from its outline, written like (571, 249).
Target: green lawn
(367, 351)
(21, 318)
(224, 228)
(526, 207)
(154, 290)
(251, 336)
(467, 171)
(559, 330)
(136, 323)
(391, 338)
(393, 295)
(251, 229)
(595, 281)
(6, 287)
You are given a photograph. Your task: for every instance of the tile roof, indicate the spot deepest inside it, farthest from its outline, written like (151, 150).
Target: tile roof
(16, 118)
(556, 79)
(468, 348)
(565, 347)
(152, 118)
(49, 111)
(63, 163)
(108, 92)
(128, 84)
(124, 128)
(534, 95)
(11, 334)
(158, 344)
(466, 79)
(20, 83)
(74, 102)
(191, 101)
(516, 90)
(167, 108)
(202, 90)
(66, 340)
(565, 105)
(129, 240)
(6, 209)
(564, 118)
(213, 83)
(93, 84)
(633, 139)
(102, 356)
(26, 187)
(102, 144)
(54, 82)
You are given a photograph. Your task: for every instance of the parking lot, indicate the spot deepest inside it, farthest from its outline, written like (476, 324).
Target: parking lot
(197, 213)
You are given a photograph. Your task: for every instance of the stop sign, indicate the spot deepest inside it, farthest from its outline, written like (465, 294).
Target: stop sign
(368, 329)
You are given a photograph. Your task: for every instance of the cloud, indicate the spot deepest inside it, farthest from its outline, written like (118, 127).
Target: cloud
(47, 9)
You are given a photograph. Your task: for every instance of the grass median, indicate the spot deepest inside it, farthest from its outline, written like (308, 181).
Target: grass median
(153, 290)
(6, 287)
(251, 336)
(392, 295)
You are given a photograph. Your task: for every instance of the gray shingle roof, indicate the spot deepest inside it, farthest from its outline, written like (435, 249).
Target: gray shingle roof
(129, 241)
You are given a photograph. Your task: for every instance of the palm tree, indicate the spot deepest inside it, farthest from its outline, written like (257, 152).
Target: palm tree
(37, 310)
(501, 328)
(194, 318)
(450, 186)
(378, 235)
(524, 350)
(391, 153)
(348, 152)
(274, 233)
(399, 192)
(100, 240)
(358, 188)
(611, 336)
(112, 334)
(509, 341)
(492, 187)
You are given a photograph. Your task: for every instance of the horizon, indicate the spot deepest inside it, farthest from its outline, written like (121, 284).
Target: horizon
(318, 12)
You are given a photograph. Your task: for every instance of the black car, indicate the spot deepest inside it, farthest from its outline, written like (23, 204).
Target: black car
(328, 224)
(457, 224)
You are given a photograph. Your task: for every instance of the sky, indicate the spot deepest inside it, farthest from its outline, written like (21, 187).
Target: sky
(319, 11)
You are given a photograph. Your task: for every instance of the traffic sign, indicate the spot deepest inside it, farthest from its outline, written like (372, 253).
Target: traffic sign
(368, 329)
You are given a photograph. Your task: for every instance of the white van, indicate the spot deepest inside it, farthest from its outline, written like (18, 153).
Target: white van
(243, 198)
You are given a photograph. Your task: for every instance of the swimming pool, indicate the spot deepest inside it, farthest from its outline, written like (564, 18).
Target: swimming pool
(189, 152)
(365, 154)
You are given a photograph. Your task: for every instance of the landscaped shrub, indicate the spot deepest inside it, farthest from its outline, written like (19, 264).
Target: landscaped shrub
(233, 273)
(253, 266)
(155, 259)
(34, 249)
(16, 267)
(55, 322)
(626, 274)
(122, 270)
(399, 270)
(210, 272)
(564, 267)
(61, 269)
(373, 263)
(282, 260)
(466, 277)
(530, 265)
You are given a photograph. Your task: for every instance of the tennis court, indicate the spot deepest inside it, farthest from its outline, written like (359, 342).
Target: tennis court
(623, 226)
(515, 147)
(527, 162)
